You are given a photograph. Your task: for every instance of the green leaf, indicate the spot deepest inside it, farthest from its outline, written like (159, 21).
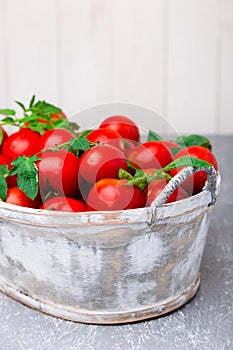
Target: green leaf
(187, 161)
(7, 111)
(45, 108)
(27, 171)
(85, 133)
(4, 170)
(29, 118)
(61, 123)
(194, 140)
(21, 105)
(8, 120)
(175, 150)
(80, 143)
(32, 101)
(3, 188)
(38, 127)
(3, 184)
(152, 136)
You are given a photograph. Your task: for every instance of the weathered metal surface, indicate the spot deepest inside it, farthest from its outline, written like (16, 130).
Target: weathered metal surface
(102, 318)
(104, 267)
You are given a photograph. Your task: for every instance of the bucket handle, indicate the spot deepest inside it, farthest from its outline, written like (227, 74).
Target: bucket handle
(177, 180)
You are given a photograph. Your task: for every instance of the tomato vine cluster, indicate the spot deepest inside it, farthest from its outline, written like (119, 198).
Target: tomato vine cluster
(48, 164)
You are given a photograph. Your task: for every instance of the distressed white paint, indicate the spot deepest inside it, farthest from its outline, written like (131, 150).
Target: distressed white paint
(174, 56)
(185, 266)
(107, 272)
(37, 261)
(144, 253)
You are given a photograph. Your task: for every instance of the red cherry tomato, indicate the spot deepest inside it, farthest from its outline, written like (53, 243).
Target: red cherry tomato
(113, 194)
(123, 125)
(101, 161)
(58, 171)
(21, 143)
(156, 186)
(151, 154)
(11, 180)
(61, 203)
(17, 197)
(106, 136)
(52, 138)
(195, 183)
(102, 134)
(3, 136)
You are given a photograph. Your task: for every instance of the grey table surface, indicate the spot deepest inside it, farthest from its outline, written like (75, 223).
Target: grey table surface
(205, 323)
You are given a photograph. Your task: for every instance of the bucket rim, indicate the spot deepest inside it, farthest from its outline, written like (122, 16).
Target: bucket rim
(28, 215)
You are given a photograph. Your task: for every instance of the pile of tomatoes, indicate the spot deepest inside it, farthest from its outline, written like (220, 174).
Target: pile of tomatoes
(108, 168)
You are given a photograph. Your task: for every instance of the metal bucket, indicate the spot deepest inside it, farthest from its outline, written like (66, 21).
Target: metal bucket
(107, 267)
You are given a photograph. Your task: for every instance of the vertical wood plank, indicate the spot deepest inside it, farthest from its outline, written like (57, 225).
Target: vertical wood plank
(31, 37)
(113, 51)
(139, 52)
(86, 54)
(81, 53)
(192, 67)
(3, 57)
(226, 69)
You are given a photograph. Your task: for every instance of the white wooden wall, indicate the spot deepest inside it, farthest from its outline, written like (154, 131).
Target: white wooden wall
(173, 56)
